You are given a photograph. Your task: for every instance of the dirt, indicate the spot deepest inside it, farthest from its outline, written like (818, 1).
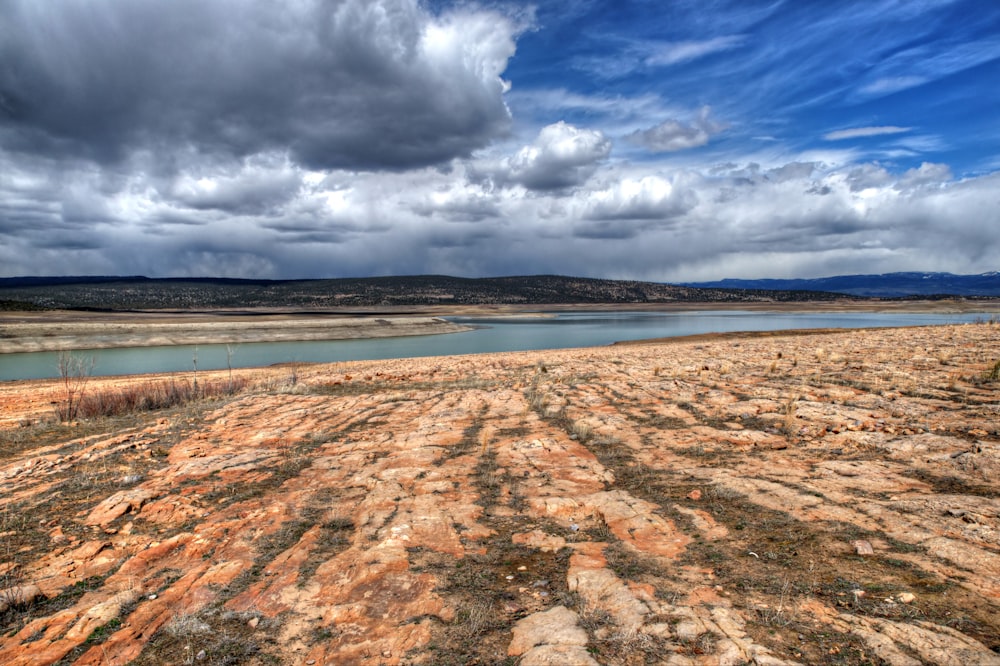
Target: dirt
(813, 499)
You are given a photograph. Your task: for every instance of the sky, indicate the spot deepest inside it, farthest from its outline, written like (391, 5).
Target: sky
(663, 140)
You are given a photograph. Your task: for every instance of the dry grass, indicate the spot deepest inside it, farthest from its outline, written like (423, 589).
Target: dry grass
(993, 374)
(151, 396)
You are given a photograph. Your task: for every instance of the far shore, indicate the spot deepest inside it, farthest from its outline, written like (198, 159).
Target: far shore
(59, 330)
(116, 331)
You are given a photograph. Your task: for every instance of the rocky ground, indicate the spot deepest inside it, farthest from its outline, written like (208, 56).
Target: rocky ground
(812, 499)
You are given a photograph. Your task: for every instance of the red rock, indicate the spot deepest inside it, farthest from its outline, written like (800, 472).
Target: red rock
(328, 522)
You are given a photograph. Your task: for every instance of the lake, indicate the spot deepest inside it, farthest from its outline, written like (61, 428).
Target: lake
(561, 330)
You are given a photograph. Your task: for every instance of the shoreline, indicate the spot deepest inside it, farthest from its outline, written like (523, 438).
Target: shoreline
(63, 330)
(40, 336)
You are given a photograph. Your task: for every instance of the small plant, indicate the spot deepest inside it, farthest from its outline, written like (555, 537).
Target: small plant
(582, 431)
(75, 373)
(789, 421)
(993, 374)
(102, 632)
(230, 349)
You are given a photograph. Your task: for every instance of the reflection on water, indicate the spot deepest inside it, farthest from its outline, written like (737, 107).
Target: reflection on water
(572, 329)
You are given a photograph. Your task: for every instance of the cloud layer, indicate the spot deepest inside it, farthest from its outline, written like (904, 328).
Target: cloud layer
(370, 137)
(349, 84)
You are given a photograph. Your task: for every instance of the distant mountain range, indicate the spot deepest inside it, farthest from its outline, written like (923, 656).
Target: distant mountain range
(888, 285)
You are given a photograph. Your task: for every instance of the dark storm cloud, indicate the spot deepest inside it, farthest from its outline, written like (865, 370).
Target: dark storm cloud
(606, 231)
(461, 210)
(51, 243)
(361, 84)
(315, 231)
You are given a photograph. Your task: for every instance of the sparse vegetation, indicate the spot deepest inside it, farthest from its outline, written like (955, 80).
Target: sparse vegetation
(155, 395)
(993, 374)
(74, 373)
(146, 293)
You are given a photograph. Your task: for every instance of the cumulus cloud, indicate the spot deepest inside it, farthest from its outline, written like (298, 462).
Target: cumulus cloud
(561, 156)
(361, 84)
(627, 220)
(459, 203)
(673, 135)
(926, 174)
(646, 198)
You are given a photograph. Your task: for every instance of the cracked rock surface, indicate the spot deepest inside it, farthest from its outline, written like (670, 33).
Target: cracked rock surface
(810, 499)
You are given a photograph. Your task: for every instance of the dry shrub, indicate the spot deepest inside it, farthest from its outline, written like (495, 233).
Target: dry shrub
(151, 396)
(993, 374)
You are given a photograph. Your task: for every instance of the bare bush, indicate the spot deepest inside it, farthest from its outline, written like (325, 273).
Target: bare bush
(74, 371)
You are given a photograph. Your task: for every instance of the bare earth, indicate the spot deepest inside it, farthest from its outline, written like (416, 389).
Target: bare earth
(812, 499)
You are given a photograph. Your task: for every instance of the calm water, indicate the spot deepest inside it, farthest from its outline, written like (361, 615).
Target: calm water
(582, 329)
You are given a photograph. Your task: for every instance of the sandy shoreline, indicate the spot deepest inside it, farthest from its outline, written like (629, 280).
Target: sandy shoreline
(37, 336)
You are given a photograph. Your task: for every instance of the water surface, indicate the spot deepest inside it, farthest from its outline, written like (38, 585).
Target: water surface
(562, 330)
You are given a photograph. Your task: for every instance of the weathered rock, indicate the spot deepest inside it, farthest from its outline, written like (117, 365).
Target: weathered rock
(547, 543)
(403, 511)
(862, 547)
(541, 633)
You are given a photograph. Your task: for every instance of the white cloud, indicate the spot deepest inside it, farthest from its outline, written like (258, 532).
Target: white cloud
(891, 84)
(561, 156)
(926, 174)
(673, 135)
(625, 220)
(646, 198)
(926, 62)
(672, 53)
(862, 132)
(258, 185)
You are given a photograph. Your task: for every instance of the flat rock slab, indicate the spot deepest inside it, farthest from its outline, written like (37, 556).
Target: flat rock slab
(809, 499)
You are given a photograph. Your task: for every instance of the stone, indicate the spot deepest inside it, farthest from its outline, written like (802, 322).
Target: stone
(557, 626)
(862, 547)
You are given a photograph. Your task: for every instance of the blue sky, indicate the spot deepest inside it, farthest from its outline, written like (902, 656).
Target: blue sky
(782, 77)
(639, 139)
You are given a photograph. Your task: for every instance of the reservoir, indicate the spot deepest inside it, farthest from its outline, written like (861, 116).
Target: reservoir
(553, 331)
